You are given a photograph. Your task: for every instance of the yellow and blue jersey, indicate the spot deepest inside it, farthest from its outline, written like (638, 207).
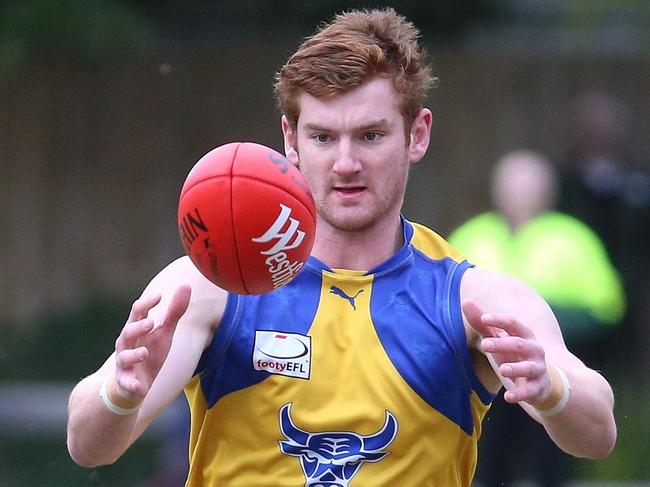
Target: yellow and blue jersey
(342, 378)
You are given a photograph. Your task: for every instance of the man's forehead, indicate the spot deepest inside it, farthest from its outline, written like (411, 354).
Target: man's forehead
(369, 105)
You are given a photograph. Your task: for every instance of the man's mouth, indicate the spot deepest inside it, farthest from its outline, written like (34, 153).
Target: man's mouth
(349, 189)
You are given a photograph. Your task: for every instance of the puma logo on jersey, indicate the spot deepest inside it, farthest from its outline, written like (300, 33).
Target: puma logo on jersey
(340, 292)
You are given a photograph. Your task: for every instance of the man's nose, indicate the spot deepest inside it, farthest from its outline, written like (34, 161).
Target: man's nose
(347, 161)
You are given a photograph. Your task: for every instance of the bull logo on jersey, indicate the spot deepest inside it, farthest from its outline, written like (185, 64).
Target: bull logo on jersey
(332, 458)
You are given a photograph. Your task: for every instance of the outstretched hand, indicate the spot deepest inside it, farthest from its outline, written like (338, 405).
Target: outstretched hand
(515, 352)
(143, 346)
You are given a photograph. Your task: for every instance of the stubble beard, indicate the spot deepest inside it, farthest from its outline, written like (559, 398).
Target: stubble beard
(357, 218)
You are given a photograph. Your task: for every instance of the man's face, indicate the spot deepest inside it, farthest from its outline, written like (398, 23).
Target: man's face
(352, 150)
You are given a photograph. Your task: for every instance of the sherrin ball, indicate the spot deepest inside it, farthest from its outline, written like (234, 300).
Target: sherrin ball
(246, 218)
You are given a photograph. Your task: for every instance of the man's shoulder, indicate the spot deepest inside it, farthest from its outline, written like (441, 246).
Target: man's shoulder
(183, 270)
(208, 301)
(496, 292)
(432, 244)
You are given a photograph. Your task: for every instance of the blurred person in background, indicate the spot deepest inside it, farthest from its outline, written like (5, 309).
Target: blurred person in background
(566, 262)
(603, 183)
(600, 183)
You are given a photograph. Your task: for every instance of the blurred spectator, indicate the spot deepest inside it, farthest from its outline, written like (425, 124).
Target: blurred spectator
(567, 264)
(603, 185)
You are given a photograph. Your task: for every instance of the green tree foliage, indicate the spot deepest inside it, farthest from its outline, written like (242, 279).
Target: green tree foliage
(83, 30)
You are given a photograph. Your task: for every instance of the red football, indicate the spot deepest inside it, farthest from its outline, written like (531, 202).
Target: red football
(246, 218)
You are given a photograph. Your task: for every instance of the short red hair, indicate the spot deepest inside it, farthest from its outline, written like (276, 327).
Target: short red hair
(353, 48)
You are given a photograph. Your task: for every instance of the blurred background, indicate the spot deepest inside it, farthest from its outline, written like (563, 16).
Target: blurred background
(105, 105)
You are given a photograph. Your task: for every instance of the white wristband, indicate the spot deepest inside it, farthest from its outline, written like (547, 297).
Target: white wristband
(566, 388)
(112, 406)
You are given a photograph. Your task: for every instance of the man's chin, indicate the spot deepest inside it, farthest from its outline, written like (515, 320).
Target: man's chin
(349, 220)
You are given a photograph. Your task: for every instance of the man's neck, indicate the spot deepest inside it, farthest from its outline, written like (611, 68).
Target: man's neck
(358, 250)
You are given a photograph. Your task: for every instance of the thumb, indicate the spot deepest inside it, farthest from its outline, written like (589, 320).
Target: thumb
(177, 305)
(474, 316)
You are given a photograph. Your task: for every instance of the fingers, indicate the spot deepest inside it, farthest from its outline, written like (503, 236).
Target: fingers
(529, 378)
(507, 323)
(513, 346)
(526, 369)
(129, 386)
(530, 391)
(126, 359)
(177, 306)
(474, 314)
(520, 358)
(126, 377)
(132, 333)
(143, 345)
(493, 324)
(138, 324)
(141, 306)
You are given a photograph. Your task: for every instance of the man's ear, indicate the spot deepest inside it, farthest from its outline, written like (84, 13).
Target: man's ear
(420, 135)
(290, 147)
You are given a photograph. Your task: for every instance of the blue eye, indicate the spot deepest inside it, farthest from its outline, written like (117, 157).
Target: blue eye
(372, 136)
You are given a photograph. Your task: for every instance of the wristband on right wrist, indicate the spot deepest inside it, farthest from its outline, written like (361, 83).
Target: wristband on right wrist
(114, 400)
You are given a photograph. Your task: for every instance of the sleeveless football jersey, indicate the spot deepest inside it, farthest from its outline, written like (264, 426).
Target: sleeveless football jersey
(342, 378)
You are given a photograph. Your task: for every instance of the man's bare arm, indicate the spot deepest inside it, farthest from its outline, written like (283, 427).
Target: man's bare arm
(155, 355)
(517, 331)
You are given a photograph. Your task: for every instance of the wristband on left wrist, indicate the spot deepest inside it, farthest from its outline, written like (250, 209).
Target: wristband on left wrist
(559, 396)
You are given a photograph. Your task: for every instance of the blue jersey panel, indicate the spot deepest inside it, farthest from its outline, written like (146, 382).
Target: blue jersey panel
(226, 366)
(416, 337)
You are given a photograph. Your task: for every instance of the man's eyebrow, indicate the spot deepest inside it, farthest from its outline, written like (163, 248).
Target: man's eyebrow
(316, 128)
(373, 124)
